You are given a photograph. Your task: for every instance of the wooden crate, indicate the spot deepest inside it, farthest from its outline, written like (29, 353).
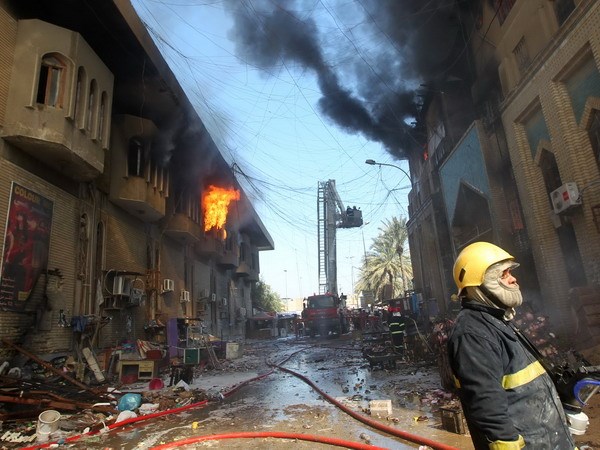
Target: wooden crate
(453, 420)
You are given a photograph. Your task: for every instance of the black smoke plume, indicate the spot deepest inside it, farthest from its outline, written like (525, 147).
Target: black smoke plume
(422, 42)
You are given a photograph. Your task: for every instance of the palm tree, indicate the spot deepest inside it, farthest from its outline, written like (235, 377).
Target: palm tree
(386, 262)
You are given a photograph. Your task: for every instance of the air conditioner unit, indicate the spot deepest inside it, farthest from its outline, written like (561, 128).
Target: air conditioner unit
(213, 297)
(565, 197)
(168, 285)
(118, 285)
(184, 296)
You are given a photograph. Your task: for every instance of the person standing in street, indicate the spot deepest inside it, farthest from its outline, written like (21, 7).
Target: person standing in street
(397, 326)
(508, 399)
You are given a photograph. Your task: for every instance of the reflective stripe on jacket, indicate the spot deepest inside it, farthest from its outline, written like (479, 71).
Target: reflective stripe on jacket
(397, 325)
(504, 391)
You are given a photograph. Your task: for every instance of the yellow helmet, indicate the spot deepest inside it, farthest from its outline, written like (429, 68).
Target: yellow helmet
(473, 261)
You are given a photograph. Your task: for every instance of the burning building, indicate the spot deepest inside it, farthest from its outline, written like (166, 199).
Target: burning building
(124, 220)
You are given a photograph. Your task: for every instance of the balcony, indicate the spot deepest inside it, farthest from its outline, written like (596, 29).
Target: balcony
(209, 246)
(57, 144)
(244, 270)
(183, 229)
(43, 116)
(138, 197)
(228, 259)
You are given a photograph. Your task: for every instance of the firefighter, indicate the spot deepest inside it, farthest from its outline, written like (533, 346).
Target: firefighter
(397, 326)
(509, 400)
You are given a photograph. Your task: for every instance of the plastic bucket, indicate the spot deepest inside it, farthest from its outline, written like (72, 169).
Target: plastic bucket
(578, 423)
(47, 423)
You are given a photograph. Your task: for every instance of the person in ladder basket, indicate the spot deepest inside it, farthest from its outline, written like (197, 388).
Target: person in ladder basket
(397, 326)
(508, 399)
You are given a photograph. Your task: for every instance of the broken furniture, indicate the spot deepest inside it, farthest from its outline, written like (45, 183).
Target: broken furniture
(141, 369)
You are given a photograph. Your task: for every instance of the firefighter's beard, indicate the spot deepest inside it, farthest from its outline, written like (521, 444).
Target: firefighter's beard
(507, 295)
(476, 293)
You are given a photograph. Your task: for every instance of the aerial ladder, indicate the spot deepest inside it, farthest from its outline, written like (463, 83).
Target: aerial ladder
(331, 215)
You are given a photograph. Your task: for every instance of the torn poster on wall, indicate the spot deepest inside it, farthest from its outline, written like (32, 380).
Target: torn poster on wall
(26, 243)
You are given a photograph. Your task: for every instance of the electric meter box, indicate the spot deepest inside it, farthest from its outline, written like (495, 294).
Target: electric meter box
(565, 197)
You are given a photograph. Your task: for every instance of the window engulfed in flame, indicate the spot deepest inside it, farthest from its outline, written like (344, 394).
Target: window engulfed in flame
(215, 203)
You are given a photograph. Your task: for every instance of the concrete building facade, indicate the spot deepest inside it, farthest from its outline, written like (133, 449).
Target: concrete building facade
(106, 169)
(523, 172)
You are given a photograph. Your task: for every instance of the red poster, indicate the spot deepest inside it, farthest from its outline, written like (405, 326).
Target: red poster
(26, 244)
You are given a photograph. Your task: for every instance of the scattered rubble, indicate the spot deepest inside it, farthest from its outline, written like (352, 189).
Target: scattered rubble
(412, 386)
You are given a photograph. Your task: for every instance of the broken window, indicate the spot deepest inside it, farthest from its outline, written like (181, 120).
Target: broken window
(51, 81)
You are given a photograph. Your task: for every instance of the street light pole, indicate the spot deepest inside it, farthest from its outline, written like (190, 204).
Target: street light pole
(399, 248)
(372, 162)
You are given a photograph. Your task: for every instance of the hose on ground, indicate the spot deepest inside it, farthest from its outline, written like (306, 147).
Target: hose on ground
(269, 434)
(245, 435)
(133, 420)
(371, 422)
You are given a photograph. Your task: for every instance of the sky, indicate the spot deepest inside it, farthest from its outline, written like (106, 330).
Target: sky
(265, 81)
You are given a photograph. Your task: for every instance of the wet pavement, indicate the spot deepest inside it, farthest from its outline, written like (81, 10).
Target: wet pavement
(281, 402)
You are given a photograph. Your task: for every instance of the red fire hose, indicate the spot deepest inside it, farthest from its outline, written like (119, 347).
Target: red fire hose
(245, 435)
(148, 416)
(371, 422)
(270, 434)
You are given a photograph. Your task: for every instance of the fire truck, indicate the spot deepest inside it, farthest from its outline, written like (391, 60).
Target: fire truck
(324, 313)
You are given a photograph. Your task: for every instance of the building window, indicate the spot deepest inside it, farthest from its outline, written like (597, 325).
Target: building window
(78, 113)
(242, 252)
(136, 159)
(594, 134)
(522, 56)
(536, 130)
(51, 81)
(502, 8)
(563, 9)
(229, 241)
(583, 83)
(102, 116)
(91, 107)
(436, 135)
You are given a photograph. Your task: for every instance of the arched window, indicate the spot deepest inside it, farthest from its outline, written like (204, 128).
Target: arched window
(51, 81)
(91, 106)
(78, 113)
(102, 116)
(136, 158)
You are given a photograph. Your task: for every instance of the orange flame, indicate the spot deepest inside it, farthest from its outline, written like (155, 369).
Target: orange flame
(216, 205)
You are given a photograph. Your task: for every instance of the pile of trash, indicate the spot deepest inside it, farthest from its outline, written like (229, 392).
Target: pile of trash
(56, 426)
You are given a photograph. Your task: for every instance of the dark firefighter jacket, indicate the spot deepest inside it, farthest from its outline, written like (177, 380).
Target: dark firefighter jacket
(397, 326)
(504, 391)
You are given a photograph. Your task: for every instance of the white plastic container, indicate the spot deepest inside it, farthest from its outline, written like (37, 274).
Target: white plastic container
(48, 422)
(578, 423)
